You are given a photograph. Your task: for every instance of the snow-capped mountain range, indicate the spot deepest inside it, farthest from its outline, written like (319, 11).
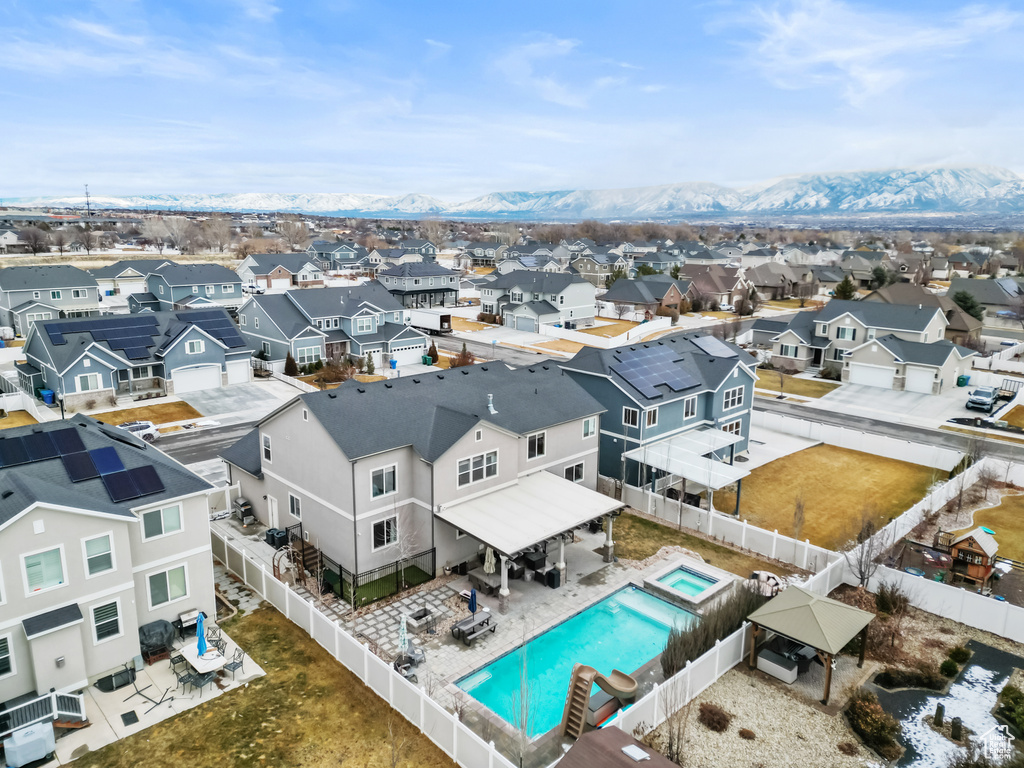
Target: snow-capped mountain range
(970, 190)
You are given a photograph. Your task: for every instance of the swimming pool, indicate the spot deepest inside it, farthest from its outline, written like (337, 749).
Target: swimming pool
(624, 631)
(688, 582)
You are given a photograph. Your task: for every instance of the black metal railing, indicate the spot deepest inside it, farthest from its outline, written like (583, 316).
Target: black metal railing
(376, 584)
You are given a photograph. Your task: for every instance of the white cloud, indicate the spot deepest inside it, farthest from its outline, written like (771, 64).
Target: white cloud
(519, 65)
(438, 48)
(652, 88)
(808, 43)
(261, 10)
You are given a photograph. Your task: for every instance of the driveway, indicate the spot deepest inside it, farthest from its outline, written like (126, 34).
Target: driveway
(259, 399)
(902, 407)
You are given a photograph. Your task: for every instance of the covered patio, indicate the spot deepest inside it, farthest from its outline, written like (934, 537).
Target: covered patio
(520, 519)
(690, 457)
(807, 627)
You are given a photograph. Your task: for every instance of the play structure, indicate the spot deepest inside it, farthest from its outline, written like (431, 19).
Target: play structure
(617, 686)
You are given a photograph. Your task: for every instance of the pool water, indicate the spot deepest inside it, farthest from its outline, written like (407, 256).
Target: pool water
(688, 582)
(624, 631)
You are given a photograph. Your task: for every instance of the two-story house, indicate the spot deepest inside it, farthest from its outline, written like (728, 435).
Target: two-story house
(530, 263)
(648, 293)
(424, 248)
(430, 468)
(421, 285)
(100, 533)
(340, 256)
(684, 399)
(961, 327)
(189, 286)
(714, 284)
(525, 300)
(382, 258)
(281, 270)
(330, 324)
(974, 557)
(127, 276)
(660, 261)
(597, 266)
(133, 356)
(28, 294)
(484, 254)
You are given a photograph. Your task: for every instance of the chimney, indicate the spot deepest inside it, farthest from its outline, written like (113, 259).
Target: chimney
(490, 404)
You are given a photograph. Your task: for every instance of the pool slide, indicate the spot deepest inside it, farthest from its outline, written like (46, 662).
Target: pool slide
(574, 716)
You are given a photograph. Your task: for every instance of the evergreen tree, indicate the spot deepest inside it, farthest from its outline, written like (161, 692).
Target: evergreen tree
(846, 290)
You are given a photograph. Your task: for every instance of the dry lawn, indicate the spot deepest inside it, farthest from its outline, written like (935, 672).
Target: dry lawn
(14, 343)
(838, 486)
(794, 386)
(17, 419)
(308, 710)
(993, 435)
(161, 413)
(561, 345)
(1015, 417)
(462, 324)
(785, 303)
(369, 378)
(720, 315)
(610, 328)
(637, 538)
(1007, 520)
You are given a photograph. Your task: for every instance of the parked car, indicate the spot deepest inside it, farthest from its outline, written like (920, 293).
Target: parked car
(253, 288)
(145, 429)
(727, 308)
(982, 399)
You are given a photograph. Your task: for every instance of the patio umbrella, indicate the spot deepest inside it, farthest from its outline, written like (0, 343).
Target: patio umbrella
(489, 565)
(403, 636)
(201, 634)
(472, 601)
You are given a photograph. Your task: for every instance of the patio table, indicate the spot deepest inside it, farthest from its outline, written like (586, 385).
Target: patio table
(210, 661)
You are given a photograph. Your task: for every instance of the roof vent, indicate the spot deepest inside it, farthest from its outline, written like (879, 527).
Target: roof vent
(415, 381)
(331, 395)
(440, 376)
(360, 390)
(483, 367)
(490, 404)
(465, 372)
(387, 386)
(6, 494)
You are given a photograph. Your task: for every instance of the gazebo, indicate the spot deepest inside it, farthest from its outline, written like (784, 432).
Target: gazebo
(812, 621)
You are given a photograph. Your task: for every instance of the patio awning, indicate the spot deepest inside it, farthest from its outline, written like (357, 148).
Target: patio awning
(537, 508)
(683, 456)
(811, 619)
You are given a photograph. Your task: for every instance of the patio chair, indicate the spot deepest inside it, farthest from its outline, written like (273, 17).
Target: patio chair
(237, 662)
(201, 681)
(176, 659)
(220, 644)
(184, 678)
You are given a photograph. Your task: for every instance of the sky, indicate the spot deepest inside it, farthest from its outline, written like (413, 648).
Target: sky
(457, 99)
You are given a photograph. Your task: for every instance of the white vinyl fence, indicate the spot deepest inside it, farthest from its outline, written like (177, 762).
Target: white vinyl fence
(440, 726)
(633, 334)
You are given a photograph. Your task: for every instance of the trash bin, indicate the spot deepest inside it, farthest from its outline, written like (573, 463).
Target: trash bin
(47, 395)
(280, 538)
(394, 363)
(427, 360)
(554, 578)
(271, 536)
(961, 381)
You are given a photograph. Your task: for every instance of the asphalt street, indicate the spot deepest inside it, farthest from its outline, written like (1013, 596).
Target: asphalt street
(489, 352)
(192, 446)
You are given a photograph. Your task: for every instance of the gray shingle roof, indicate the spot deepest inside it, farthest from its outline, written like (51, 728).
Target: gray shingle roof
(284, 314)
(879, 315)
(538, 282)
(344, 302)
(142, 266)
(417, 269)
(245, 454)
(50, 620)
(933, 354)
(197, 274)
(44, 278)
(268, 262)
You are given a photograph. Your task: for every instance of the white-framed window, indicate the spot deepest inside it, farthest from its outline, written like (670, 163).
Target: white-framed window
(385, 533)
(364, 324)
(168, 586)
(265, 346)
(733, 398)
(161, 522)
(651, 417)
(6, 657)
(161, 289)
(787, 350)
(382, 481)
(35, 294)
(823, 330)
(294, 506)
(319, 323)
(848, 334)
(459, 534)
(590, 426)
(44, 570)
(106, 621)
(516, 297)
(733, 427)
(79, 293)
(241, 320)
(690, 407)
(574, 473)
(872, 332)
(256, 323)
(227, 289)
(195, 289)
(99, 555)
(210, 290)
(87, 382)
(476, 468)
(536, 445)
(142, 372)
(630, 417)
(54, 294)
(194, 347)
(305, 415)
(266, 448)
(479, 435)
(307, 355)
(87, 363)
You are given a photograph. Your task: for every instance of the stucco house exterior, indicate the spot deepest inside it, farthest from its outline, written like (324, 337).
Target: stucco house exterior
(93, 548)
(425, 284)
(912, 366)
(30, 294)
(281, 270)
(525, 300)
(960, 326)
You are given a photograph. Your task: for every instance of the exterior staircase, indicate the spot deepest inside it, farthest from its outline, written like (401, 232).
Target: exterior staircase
(65, 710)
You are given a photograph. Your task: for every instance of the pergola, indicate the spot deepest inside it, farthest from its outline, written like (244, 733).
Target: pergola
(824, 624)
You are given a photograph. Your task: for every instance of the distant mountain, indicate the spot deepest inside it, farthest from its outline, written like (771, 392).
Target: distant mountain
(976, 191)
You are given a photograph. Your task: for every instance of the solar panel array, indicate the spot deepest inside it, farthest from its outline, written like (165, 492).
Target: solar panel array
(646, 368)
(712, 346)
(132, 334)
(218, 325)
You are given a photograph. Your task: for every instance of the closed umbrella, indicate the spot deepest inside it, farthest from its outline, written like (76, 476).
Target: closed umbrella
(489, 564)
(403, 636)
(201, 634)
(472, 601)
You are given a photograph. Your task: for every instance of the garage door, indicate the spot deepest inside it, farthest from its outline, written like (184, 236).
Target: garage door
(872, 375)
(196, 378)
(131, 286)
(238, 371)
(920, 380)
(526, 324)
(408, 354)
(281, 282)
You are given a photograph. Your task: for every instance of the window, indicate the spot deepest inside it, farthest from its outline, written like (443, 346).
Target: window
(849, 334)
(574, 473)
(478, 467)
(319, 323)
(733, 427)
(305, 415)
(266, 447)
(382, 481)
(54, 294)
(590, 426)
(256, 323)
(167, 586)
(99, 556)
(194, 347)
(142, 372)
(44, 570)
(87, 382)
(295, 506)
(733, 398)
(210, 289)
(79, 293)
(651, 417)
(241, 320)
(265, 346)
(516, 297)
(6, 659)
(195, 289)
(536, 445)
(630, 417)
(307, 355)
(161, 288)
(479, 435)
(107, 621)
(871, 334)
(824, 329)
(385, 533)
(837, 354)
(161, 522)
(35, 294)
(227, 289)
(364, 324)
(690, 407)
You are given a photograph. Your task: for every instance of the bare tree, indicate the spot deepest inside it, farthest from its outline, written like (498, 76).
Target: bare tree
(294, 233)
(177, 230)
(217, 232)
(523, 705)
(621, 309)
(863, 555)
(677, 720)
(87, 238)
(798, 520)
(34, 238)
(434, 231)
(156, 230)
(59, 238)
(398, 742)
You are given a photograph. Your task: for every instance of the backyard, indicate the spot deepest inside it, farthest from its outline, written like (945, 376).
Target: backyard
(1015, 416)
(1007, 520)
(17, 419)
(837, 485)
(160, 413)
(610, 328)
(792, 385)
(308, 710)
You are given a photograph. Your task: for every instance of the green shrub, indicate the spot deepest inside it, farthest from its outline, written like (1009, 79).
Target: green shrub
(746, 733)
(291, 368)
(432, 353)
(949, 668)
(959, 654)
(1011, 706)
(714, 717)
(874, 725)
(891, 599)
(923, 677)
(318, 365)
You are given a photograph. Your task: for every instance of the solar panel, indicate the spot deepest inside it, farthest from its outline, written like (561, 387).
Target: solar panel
(40, 446)
(67, 441)
(645, 368)
(13, 452)
(136, 353)
(712, 346)
(79, 466)
(107, 460)
(146, 480)
(120, 486)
